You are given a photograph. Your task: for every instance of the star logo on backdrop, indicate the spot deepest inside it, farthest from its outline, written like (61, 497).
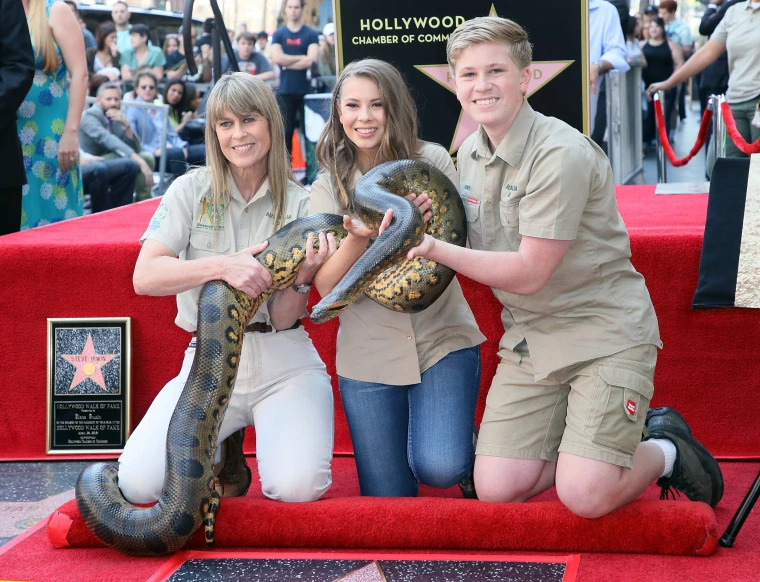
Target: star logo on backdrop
(88, 364)
(541, 73)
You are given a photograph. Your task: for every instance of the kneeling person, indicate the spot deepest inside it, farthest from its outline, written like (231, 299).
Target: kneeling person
(569, 400)
(209, 225)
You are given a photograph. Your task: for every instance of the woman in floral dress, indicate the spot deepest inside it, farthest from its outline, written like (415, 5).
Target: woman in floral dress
(48, 119)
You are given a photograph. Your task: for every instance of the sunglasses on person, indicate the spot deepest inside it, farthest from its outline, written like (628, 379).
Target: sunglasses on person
(151, 87)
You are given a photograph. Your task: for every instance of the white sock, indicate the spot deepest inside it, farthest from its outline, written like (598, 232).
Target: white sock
(669, 450)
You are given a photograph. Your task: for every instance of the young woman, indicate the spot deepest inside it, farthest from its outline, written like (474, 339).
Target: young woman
(210, 224)
(48, 119)
(104, 57)
(662, 57)
(409, 383)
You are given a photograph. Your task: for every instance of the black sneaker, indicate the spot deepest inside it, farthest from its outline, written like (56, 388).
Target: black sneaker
(467, 484)
(235, 476)
(695, 472)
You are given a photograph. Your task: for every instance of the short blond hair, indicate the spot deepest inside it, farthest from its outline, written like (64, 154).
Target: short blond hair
(490, 29)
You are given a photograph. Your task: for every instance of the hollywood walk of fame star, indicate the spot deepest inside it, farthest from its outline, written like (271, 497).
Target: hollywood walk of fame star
(541, 73)
(88, 364)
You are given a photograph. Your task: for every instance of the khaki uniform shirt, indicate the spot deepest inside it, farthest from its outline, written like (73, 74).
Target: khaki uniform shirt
(547, 180)
(183, 223)
(379, 345)
(740, 32)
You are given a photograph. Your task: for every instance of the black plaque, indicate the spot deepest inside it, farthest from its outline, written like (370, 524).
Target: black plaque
(88, 388)
(412, 36)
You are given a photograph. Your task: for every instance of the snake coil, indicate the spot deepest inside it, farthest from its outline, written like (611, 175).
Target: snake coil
(188, 499)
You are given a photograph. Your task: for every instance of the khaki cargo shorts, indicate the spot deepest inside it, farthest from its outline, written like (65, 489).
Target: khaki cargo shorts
(594, 409)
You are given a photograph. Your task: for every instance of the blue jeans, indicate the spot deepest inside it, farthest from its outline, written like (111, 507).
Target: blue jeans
(419, 433)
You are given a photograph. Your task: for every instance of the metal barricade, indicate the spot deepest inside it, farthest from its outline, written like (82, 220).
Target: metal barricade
(164, 133)
(718, 126)
(624, 125)
(662, 160)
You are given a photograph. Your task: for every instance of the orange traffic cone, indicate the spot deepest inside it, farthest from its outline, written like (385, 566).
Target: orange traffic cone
(298, 162)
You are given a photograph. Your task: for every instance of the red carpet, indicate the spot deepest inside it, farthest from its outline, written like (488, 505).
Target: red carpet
(345, 520)
(83, 268)
(35, 559)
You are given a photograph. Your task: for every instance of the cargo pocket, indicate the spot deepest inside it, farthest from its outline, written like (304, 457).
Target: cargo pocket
(620, 404)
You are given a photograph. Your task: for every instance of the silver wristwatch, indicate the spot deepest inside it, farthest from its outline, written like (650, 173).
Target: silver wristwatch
(303, 288)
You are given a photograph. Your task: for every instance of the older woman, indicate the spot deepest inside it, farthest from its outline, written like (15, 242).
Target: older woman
(210, 224)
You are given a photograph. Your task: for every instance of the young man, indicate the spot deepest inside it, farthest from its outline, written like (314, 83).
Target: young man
(294, 48)
(120, 14)
(248, 59)
(569, 400)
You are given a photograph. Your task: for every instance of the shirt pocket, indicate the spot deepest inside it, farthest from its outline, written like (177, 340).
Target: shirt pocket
(206, 244)
(509, 212)
(472, 211)
(471, 208)
(619, 407)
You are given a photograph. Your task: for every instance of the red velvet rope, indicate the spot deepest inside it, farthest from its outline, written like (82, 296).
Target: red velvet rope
(736, 137)
(665, 143)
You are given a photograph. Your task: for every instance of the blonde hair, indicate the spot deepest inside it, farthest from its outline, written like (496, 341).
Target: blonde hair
(242, 94)
(42, 36)
(337, 154)
(490, 29)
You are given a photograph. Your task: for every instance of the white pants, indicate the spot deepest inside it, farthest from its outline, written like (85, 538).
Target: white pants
(283, 390)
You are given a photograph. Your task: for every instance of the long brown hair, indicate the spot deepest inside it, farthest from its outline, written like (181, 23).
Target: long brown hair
(242, 94)
(337, 154)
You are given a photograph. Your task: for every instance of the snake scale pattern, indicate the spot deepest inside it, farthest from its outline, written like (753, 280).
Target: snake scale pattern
(188, 499)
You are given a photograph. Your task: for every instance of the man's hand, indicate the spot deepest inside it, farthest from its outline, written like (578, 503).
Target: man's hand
(144, 168)
(423, 249)
(117, 115)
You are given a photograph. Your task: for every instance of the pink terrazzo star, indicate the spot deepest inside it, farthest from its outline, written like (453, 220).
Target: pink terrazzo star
(89, 364)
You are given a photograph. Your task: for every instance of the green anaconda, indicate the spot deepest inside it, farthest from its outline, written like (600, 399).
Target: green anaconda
(384, 273)
(188, 499)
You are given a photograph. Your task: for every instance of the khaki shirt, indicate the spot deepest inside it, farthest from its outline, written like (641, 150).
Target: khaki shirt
(740, 32)
(183, 223)
(379, 345)
(547, 180)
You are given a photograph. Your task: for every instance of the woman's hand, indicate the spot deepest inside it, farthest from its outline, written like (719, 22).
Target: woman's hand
(244, 272)
(423, 202)
(654, 87)
(315, 259)
(357, 229)
(68, 151)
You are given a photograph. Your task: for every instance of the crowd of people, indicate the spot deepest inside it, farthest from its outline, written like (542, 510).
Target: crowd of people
(106, 154)
(568, 405)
